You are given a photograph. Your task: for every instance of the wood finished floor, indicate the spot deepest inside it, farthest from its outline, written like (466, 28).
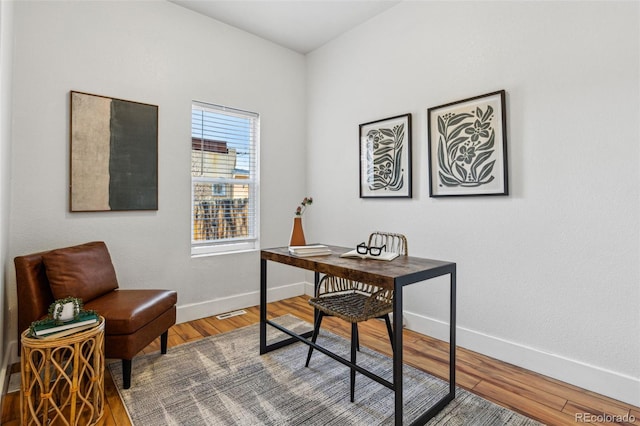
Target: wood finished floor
(547, 400)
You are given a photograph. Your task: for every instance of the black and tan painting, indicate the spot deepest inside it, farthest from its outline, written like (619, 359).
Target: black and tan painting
(114, 154)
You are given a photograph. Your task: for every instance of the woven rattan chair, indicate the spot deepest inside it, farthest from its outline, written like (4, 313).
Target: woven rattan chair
(355, 301)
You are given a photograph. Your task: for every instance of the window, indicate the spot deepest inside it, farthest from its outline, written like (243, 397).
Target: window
(224, 179)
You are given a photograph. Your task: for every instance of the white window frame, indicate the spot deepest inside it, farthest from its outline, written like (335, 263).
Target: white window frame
(238, 244)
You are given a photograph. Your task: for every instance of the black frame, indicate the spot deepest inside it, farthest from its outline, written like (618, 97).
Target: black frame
(390, 161)
(373, 251)
(467, 147)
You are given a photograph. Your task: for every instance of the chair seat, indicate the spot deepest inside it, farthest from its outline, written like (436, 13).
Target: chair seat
(126, 311)
(355, 301)
(352, 306)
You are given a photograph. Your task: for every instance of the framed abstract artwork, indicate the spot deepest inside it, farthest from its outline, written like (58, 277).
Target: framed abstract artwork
(385, 158)
(468, 147)
(114, 154)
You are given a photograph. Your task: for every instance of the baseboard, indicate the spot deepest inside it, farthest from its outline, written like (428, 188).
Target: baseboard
(4, 379)
(8, 360)
(605, 382)
(309, 289)
(218, 306)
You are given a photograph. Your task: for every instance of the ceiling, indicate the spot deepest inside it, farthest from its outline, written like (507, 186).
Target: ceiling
(300, 25)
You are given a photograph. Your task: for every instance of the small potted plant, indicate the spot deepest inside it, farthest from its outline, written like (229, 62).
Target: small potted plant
(66, 309)
(303, 206)
(297, 233)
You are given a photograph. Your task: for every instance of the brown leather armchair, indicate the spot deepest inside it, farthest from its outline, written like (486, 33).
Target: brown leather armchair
(134, 318)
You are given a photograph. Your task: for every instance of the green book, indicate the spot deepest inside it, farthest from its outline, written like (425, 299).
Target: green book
(48, 326)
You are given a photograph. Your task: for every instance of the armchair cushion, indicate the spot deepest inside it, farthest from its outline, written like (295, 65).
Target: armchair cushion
(84, 271)
(127, 311)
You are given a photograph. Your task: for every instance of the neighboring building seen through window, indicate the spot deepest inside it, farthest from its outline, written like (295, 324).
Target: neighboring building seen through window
(224, 179)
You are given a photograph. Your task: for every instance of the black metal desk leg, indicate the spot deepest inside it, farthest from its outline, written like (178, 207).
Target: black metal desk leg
(452, 334)
(316, 292)
(397, 353)
(263, 306)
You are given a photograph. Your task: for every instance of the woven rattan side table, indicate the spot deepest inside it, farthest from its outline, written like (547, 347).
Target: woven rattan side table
(63, 378)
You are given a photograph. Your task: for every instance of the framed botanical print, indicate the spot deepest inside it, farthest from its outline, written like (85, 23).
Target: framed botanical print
(385, 158)
(468, 147)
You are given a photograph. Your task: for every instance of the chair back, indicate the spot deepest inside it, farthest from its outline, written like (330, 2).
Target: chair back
(396, 243)
(33, 291)
(84, 271)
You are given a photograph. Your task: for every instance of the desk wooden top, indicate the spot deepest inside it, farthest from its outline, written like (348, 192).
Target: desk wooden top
(401, 271)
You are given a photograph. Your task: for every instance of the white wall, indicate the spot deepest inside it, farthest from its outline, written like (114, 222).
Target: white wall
(6, 52)
(159, 53)
(548, 276)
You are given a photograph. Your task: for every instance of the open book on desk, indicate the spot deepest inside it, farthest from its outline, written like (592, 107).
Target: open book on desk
(385, 255)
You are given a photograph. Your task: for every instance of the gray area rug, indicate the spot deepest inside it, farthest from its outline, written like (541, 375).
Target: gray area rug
(223, 380)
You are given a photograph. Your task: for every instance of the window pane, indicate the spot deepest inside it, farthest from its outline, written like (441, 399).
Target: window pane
(224, 175)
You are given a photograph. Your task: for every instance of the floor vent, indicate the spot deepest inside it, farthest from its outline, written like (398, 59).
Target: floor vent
(231, 314)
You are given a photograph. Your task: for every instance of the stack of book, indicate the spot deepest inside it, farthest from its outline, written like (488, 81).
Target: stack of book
(310, 250)
(51, 329)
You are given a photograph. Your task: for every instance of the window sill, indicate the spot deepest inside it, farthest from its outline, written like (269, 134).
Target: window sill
(220, 249)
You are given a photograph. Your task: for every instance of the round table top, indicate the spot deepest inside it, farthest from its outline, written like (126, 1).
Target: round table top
(42, 342)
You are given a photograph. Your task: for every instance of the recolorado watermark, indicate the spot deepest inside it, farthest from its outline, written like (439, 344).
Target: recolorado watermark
(604, 418)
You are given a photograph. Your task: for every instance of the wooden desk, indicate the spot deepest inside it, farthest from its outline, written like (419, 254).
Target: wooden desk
(402, 271)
